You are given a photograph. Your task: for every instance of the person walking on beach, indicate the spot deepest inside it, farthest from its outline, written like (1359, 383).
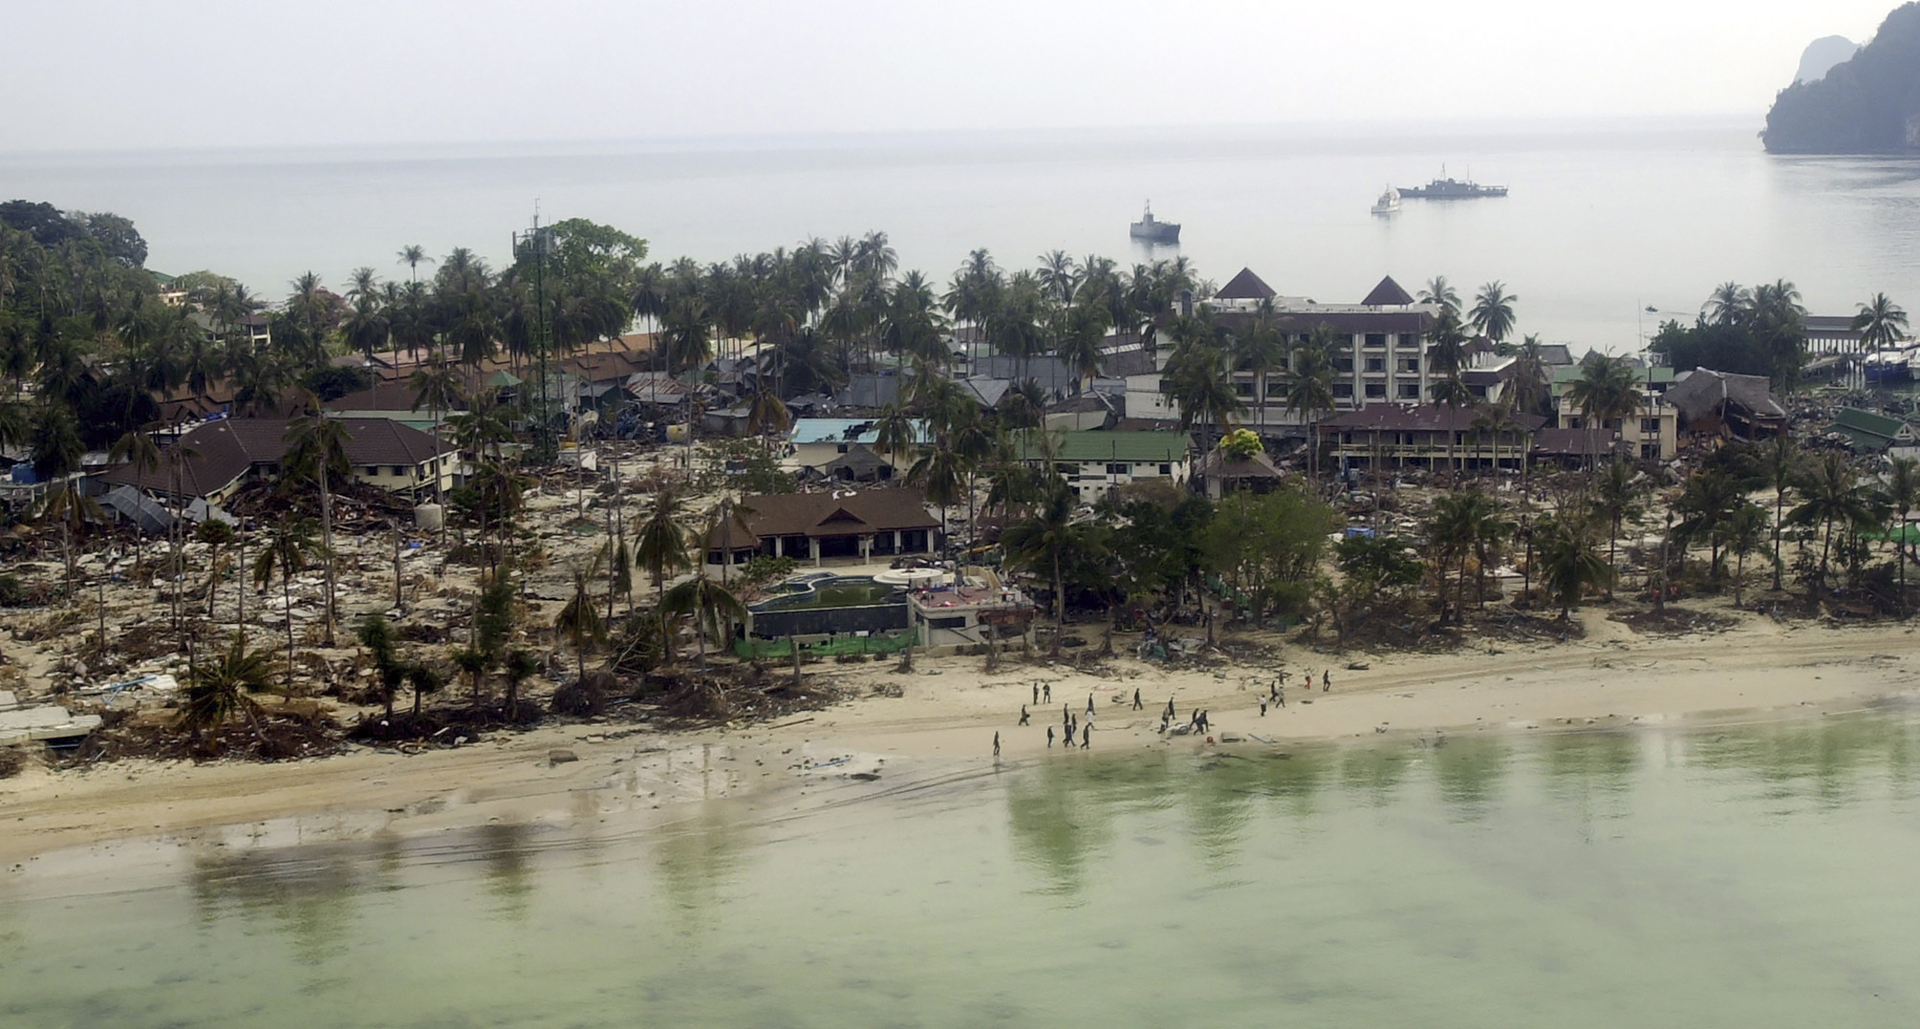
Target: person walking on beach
(1326, 679)
(1089, 703)
(1049, 737)
(996, 744)
(1066, 715)
(1280, 695)
(1036, 694)
(1136, 699)
(1086, 737)
(1023, 714)
(1263, 709)
(1046, 692)
(1170, 709)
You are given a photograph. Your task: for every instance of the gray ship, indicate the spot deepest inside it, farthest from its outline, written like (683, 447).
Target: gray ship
(1151, 231)
(1444, 188)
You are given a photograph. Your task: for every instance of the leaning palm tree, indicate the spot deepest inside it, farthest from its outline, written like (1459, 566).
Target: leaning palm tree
(713, 609)
(290, 547)
(223, 688)
(1780, 462)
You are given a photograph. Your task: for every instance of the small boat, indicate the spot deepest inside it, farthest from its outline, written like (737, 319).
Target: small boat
(1445, 188)
(1151, 231)
(1389, 202)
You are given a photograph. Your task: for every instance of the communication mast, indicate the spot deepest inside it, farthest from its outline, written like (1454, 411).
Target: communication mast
(536, 243)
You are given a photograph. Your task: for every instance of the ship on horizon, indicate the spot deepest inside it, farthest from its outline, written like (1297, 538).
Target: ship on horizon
(1151, 231)
(1447, 188)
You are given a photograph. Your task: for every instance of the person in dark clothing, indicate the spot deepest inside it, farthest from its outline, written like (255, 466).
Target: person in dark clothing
(1263, 709)
(1136, 700)
(996, 744)
(1281, 696)
(1023, 714)
(1036, 693)
(1046, 692)
(1089, 703)
(1326, 679)
(1169, 709)
(1049, 737)
(1086, 737)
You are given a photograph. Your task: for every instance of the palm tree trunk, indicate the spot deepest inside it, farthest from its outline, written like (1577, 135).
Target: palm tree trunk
(286, 593)
(1779, 503)
(240, 617)
(326, 537)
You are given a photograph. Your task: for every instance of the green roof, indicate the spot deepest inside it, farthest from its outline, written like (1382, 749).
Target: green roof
(1852, 421)
(1131, 447)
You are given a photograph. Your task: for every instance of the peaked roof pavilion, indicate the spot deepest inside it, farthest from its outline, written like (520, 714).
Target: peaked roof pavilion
(1245, 286)
(1387, 294)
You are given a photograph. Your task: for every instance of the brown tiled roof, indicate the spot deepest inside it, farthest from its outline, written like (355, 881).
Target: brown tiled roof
(1244, 286)
(1388, 294)
(381, 396)
(229, 447)
(839, 512)
(1418, 418)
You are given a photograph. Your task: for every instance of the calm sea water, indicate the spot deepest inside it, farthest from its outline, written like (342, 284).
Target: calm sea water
(1742, 878)
(1604, 220)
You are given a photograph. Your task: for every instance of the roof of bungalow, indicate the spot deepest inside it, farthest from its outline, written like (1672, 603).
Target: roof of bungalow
(1700, 392)
(1245, 286)
(840, 512)
(1106, 445)
(1868, 430)
(225, 449)
(1551, 442)
(1831, 327)
(1387, 294)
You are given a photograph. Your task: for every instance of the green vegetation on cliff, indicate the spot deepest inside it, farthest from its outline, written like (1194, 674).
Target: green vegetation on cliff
(1868, 104)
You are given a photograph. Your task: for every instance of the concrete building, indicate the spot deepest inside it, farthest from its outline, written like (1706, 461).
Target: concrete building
(840, 523)
(230, 451)
(1652, 433)
(1427, 436)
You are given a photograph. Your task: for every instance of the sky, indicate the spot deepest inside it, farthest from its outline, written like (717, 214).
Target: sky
(192, 74)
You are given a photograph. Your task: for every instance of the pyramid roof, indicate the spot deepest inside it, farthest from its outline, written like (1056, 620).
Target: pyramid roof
(1388, 294)
(1245, 286)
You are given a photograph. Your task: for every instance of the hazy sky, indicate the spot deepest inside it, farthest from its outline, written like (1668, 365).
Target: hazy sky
(87, 74)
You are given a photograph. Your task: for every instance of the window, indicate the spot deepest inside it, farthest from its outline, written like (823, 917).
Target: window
(1343, 365)
(373, 470)
(399, 471)
(1243, 389)
(1376, 364)
(1376, 391)
(1068, 470)
(1650, 451)
(1407, 339)
(1410, 365)
(1409, 391)
(1166, 386)
(952, 622)
(843, 448)
(1650, 426)
(1119, 469)
(1166, 469)
(1376, 339)
(1275, 387)
(1343, 390)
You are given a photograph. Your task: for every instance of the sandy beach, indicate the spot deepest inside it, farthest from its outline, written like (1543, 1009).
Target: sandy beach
(1613, 680)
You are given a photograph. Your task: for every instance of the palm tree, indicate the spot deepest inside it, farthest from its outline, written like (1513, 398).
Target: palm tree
(1706, 506)
(1204, 390)
(895, 433)
(580, 620)
(290, 546)
(661, 544)
(767, 416)
(942, 473)
(1046, 539)
(1492, 313)
(1745, 533)
(1451, 395)
(1309, 388)
(1615, 498)
(1530, 378)
(1729, 304)
(713, 609)
(1262, 350)
(1441, 293)
(1605, 391)
(518, 668)
(317, 450)
(1831, 497)
(1569, 564)
(1881, 324)
(215, 534)
(221, 689)
(1780, 462)
(376, 634)
(1903, 495)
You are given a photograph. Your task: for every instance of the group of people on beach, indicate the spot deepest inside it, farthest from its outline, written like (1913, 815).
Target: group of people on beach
(1197, 719)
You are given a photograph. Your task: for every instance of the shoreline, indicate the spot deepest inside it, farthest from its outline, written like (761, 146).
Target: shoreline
(1756, 672)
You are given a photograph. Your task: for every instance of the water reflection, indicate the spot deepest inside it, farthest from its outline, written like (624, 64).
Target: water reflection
(1375, 772)
(308, 895)
(1824, 761)
(696, 860)
(503, 848)
(1469, 771)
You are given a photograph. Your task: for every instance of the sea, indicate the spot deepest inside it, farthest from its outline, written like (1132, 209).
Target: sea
(1611, 226)
(1744, 877)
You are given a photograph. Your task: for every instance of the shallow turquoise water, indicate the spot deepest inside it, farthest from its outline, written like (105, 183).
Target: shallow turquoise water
(1759, 877)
